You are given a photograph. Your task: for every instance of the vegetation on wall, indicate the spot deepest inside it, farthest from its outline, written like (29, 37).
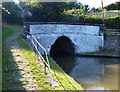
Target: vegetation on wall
(113, 22)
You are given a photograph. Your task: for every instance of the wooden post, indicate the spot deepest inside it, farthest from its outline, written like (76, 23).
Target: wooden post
(104, 30)
(103, 13)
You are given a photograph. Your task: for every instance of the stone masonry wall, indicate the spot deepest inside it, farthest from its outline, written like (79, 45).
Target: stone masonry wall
(112, 42)
(86, 38)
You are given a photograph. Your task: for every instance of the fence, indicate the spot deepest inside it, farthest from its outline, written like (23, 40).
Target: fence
(36, 46)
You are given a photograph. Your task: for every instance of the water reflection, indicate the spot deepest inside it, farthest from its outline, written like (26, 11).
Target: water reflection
(92, 73)
(65, 62)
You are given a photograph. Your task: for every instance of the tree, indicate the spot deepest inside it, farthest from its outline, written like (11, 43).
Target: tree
(15, 15)
(93, 9)
(99, 9)
(49, 11)
(113, 6)
(85, 9)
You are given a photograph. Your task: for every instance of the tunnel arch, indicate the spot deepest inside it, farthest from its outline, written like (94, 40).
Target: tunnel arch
(62, 45)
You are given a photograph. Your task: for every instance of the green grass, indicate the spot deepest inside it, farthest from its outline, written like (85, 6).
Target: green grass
(112, 13)
(109, 33)
(8, 30)
(29, 54)
(65, 81)
(6, 55)
(62, 78)
(35, 68)
(106, 52)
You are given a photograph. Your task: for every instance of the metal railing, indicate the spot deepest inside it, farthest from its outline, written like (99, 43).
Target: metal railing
(37, 45)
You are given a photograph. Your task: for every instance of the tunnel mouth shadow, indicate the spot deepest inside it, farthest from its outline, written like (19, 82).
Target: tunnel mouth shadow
(62, 46)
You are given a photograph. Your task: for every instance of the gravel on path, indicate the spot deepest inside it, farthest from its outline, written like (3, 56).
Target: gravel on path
(20, 78)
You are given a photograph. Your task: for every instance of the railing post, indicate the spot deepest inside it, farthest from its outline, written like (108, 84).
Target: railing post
(36, 46)
(45, 68)
(37, 53)
(45, 64)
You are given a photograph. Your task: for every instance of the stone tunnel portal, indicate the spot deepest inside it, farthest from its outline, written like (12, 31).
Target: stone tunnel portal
(62, 46)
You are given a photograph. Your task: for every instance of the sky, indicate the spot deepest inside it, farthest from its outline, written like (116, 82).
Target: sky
(97, 3)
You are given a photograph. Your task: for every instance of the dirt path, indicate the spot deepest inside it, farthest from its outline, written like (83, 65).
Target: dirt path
(21, 78)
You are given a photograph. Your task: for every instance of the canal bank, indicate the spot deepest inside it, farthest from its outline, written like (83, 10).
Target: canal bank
(93, 73)
(109, 54)
(99, 55)
(65, 82)
(13, 78)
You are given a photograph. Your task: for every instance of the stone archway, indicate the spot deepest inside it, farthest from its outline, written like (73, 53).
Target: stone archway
(63, 45)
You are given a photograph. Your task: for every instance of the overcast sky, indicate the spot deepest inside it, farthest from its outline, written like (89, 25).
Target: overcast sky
(97, 3)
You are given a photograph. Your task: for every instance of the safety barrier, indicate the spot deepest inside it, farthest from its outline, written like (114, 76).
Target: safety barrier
(37, 45)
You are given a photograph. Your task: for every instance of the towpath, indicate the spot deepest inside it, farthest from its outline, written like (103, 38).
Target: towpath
(20, 78)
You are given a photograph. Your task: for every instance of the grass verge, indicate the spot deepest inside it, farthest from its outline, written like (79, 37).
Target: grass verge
(35, 68)
(110, 33)
(8, 30)
(7, 68)
(29, 54)
(65, 81)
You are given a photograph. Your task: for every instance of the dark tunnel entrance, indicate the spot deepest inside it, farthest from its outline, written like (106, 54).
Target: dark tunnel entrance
(62, 46)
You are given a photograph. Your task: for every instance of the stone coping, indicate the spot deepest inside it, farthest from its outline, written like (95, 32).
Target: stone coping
(99, 55)
(68, 23)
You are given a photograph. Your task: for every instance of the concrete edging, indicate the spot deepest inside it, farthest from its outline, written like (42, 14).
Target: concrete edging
(67, 23)
(99, 55)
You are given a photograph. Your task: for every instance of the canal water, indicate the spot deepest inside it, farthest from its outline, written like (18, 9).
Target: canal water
(93, 73)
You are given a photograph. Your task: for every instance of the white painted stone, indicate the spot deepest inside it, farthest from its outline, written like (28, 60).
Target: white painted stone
(84, 37)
